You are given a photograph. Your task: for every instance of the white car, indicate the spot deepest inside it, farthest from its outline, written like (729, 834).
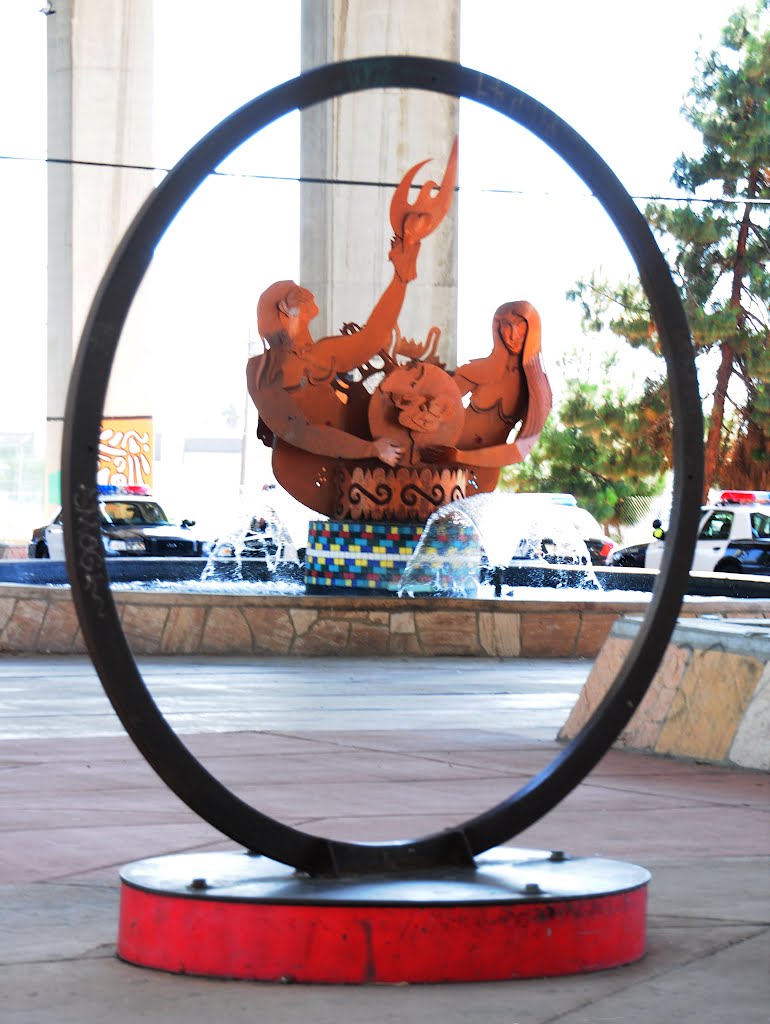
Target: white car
(737, 516)
(552, 533)
(133, 523)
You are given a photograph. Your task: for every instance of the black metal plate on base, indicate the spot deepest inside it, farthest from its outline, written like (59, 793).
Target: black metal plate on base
(500, 875)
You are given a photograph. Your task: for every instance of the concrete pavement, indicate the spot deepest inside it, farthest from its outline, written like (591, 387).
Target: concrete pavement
(362, 750)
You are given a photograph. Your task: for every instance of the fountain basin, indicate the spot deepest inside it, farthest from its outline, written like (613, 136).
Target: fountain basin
(247, 619)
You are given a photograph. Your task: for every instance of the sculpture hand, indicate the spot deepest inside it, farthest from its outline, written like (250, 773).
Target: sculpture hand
(403, 256)
(412, 222)
(387, 451)
(439, 453)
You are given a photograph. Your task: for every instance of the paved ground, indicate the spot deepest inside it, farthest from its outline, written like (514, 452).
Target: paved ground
(360, 750)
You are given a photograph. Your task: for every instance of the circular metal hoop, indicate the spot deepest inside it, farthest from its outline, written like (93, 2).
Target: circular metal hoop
(91, 593)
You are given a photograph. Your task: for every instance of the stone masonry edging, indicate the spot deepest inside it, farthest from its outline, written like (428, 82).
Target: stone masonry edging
(12, 550)
(41, 620)
(709, 700)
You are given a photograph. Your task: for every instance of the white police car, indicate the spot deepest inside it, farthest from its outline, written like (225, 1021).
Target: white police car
(736, 518)
(133, 524)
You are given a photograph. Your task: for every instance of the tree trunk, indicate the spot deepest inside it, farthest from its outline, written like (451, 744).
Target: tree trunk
(711, 455)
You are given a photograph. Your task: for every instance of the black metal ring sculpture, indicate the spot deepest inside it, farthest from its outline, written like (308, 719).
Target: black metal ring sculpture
(91, 593)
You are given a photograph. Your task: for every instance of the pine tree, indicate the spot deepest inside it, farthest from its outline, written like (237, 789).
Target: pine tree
(718, 250)
(603, 446)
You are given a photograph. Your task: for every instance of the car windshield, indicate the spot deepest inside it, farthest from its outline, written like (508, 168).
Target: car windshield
(135, 513)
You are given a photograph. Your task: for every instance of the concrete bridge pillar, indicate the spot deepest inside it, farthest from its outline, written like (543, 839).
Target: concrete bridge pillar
(374, 137)
(100, 62)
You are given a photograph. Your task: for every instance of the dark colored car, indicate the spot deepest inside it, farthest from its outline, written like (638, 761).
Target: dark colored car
(132, 524)
(629, 557)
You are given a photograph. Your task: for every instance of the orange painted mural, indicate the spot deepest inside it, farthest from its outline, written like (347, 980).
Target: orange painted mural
(126, 448)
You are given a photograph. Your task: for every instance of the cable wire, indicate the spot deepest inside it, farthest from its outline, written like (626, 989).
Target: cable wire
(309, 180)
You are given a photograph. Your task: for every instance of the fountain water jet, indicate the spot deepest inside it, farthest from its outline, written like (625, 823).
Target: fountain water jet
(473, 546)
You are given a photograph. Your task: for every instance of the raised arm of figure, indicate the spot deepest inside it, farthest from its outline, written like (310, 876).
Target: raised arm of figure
(346, 352)
(411, 223)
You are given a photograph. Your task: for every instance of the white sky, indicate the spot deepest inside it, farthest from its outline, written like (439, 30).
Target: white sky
(617, 72)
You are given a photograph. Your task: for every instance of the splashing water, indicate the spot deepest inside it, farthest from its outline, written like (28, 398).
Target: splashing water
(259, 548)
(495, 539)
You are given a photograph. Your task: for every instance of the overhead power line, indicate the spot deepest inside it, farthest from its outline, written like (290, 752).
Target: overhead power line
(308, 180)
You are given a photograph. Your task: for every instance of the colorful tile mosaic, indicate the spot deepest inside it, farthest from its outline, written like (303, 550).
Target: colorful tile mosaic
(371, 556)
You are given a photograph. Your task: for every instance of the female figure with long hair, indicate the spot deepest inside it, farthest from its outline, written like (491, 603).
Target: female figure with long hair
(507, 387)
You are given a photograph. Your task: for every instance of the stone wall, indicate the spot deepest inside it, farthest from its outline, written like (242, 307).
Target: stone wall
(710, 698)
(42, 620)
(12, 550)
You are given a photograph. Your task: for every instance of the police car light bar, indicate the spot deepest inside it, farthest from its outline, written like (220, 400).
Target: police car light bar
(129, 489)
(745, 497)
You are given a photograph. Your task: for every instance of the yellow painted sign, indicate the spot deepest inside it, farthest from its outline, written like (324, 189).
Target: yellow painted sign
(126, 448)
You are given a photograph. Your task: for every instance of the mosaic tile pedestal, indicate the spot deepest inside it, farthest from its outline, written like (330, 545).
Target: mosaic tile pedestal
(359, 555)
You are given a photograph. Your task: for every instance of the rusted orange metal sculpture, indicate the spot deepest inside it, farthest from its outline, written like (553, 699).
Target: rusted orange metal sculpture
(370, 425)
(507, 387)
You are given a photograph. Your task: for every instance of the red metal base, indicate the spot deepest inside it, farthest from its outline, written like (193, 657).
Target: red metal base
(518, 914)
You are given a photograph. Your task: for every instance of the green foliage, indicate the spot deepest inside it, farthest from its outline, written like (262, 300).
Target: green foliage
(603, 447)
(729, 107)
(621, 308)
(718, 251)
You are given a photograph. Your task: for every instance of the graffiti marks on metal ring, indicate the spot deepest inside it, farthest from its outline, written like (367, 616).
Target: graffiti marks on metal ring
(89, 553)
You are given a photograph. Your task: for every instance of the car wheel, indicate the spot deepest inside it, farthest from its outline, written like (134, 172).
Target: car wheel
(730, 565)
(41, 551)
